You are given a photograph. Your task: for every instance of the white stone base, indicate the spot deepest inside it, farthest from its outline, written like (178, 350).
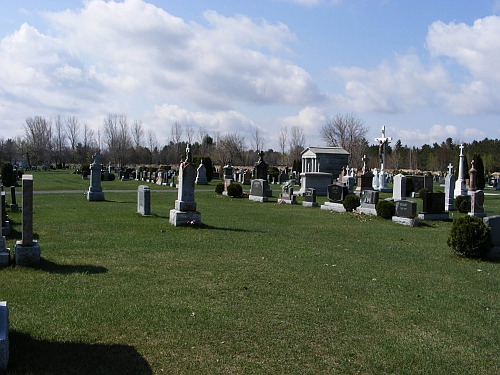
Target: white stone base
(5, 257)
(4, 336)
(477, 214)
(287, 201)
(184, 218)
(26, 255)
(405, 221)
(256, 198)
(337, 207)
(95, 196)
(310, 204)
(367, 211)
(425, 216)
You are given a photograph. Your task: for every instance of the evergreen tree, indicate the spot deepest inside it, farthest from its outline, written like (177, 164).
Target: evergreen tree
(479, 167)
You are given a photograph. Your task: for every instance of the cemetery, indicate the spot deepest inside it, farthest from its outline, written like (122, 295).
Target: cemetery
(116, 285)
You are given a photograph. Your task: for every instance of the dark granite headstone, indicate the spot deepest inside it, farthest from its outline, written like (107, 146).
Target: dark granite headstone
(407, 209)
(369, 198)
(337, 193)
(433, 203)
(310, 195)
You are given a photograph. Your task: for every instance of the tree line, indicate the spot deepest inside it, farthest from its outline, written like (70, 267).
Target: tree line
(122, 142)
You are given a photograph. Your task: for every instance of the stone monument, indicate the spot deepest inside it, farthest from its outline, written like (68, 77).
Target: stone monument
(144, 200)
(185, 212)
(260, 172)
(365, 179)
(449, 189)
(383, 142)
(27, 251)
(460, 187)
(369, 200)
(477, 196)
(201, 174)
(310, 198)
(286, 195)
(399, 190)
(258, 190)
(95, 192)
(13, 205)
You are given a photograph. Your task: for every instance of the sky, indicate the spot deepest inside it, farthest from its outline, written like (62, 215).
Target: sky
(427, 70)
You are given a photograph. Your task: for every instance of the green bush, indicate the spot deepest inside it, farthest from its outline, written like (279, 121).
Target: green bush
(422, 191)
(386, 209)
(234, 190)
(462, 204)
(351, 202)
(85, 167)
(219, 188)
(470, 237)
(273, 172)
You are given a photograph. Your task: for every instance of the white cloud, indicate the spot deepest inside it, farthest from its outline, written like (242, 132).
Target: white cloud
(310, 120)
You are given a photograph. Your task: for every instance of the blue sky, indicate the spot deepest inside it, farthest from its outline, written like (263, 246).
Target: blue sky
(426, 70)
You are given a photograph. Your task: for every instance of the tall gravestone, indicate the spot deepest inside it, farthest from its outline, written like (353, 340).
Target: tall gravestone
(201, 174)
(383, 142)
(460, 187)
(144, 200)
(260, 172)
(27, 251)
(476, 196)
(13, 205)
(365, 179)
(185, 212)
(399, 188)
(95, 192)
(4, 216)
(449, 189)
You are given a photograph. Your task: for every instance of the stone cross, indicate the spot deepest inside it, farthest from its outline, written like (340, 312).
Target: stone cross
(450, 169)
(383, 142)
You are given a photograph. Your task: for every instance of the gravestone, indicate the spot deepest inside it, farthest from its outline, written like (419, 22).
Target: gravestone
(4, 252)
(433, 207)
(477, 203)
(185, 212)
(498, 183)
(399, 188)
(337, 193)
(4, 217)
(406, 213)
(95, 192)
(349, 182)
(286, 195)
(247, 177)
(375, 180)
(144, 200)
(13, 206)
(201, 174)
(27, 251)
(460, 186)
(282, 178)
(260, 172)
(310, 198)
(449, 190)
(228, 171)
(365, 179)
(494, 223)
(258, 190)
(369, 200)
(4, 336)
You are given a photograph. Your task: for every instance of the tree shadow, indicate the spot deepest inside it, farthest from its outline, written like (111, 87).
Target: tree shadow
(31, 356)
(51, 267)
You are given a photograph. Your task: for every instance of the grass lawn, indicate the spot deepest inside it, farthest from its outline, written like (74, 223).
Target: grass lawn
(259, 288)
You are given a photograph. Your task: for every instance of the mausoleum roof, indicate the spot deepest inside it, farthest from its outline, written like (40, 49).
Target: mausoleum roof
(324, 150)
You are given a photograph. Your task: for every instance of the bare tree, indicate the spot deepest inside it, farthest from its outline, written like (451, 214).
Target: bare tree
(349, 132)
(297, 142)
(230, 147)
(153, 146)
(257, 139)
(110, 129)
(38, 136)
(137, 133)
(282, 138)
(176, 133)
(189, 133)
(59, 140)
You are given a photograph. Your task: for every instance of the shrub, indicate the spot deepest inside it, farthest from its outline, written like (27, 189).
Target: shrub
(351, 202)
(470, 237)
(462, 204)
(234, 190)
(422, 191)
(85, 167)
(273, 172)
(386, 209)
(219, 188)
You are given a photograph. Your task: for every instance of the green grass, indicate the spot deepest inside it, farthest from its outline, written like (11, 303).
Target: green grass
(258, 289)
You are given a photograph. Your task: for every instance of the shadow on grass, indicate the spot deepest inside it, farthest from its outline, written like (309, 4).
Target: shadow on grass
(32, 356)
(16, 235)
(51, 267)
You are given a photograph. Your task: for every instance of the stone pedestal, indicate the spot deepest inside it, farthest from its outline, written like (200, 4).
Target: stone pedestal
(27, 255)
(184, 213)
(95, 192)
(337, 207)
(476, 204)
